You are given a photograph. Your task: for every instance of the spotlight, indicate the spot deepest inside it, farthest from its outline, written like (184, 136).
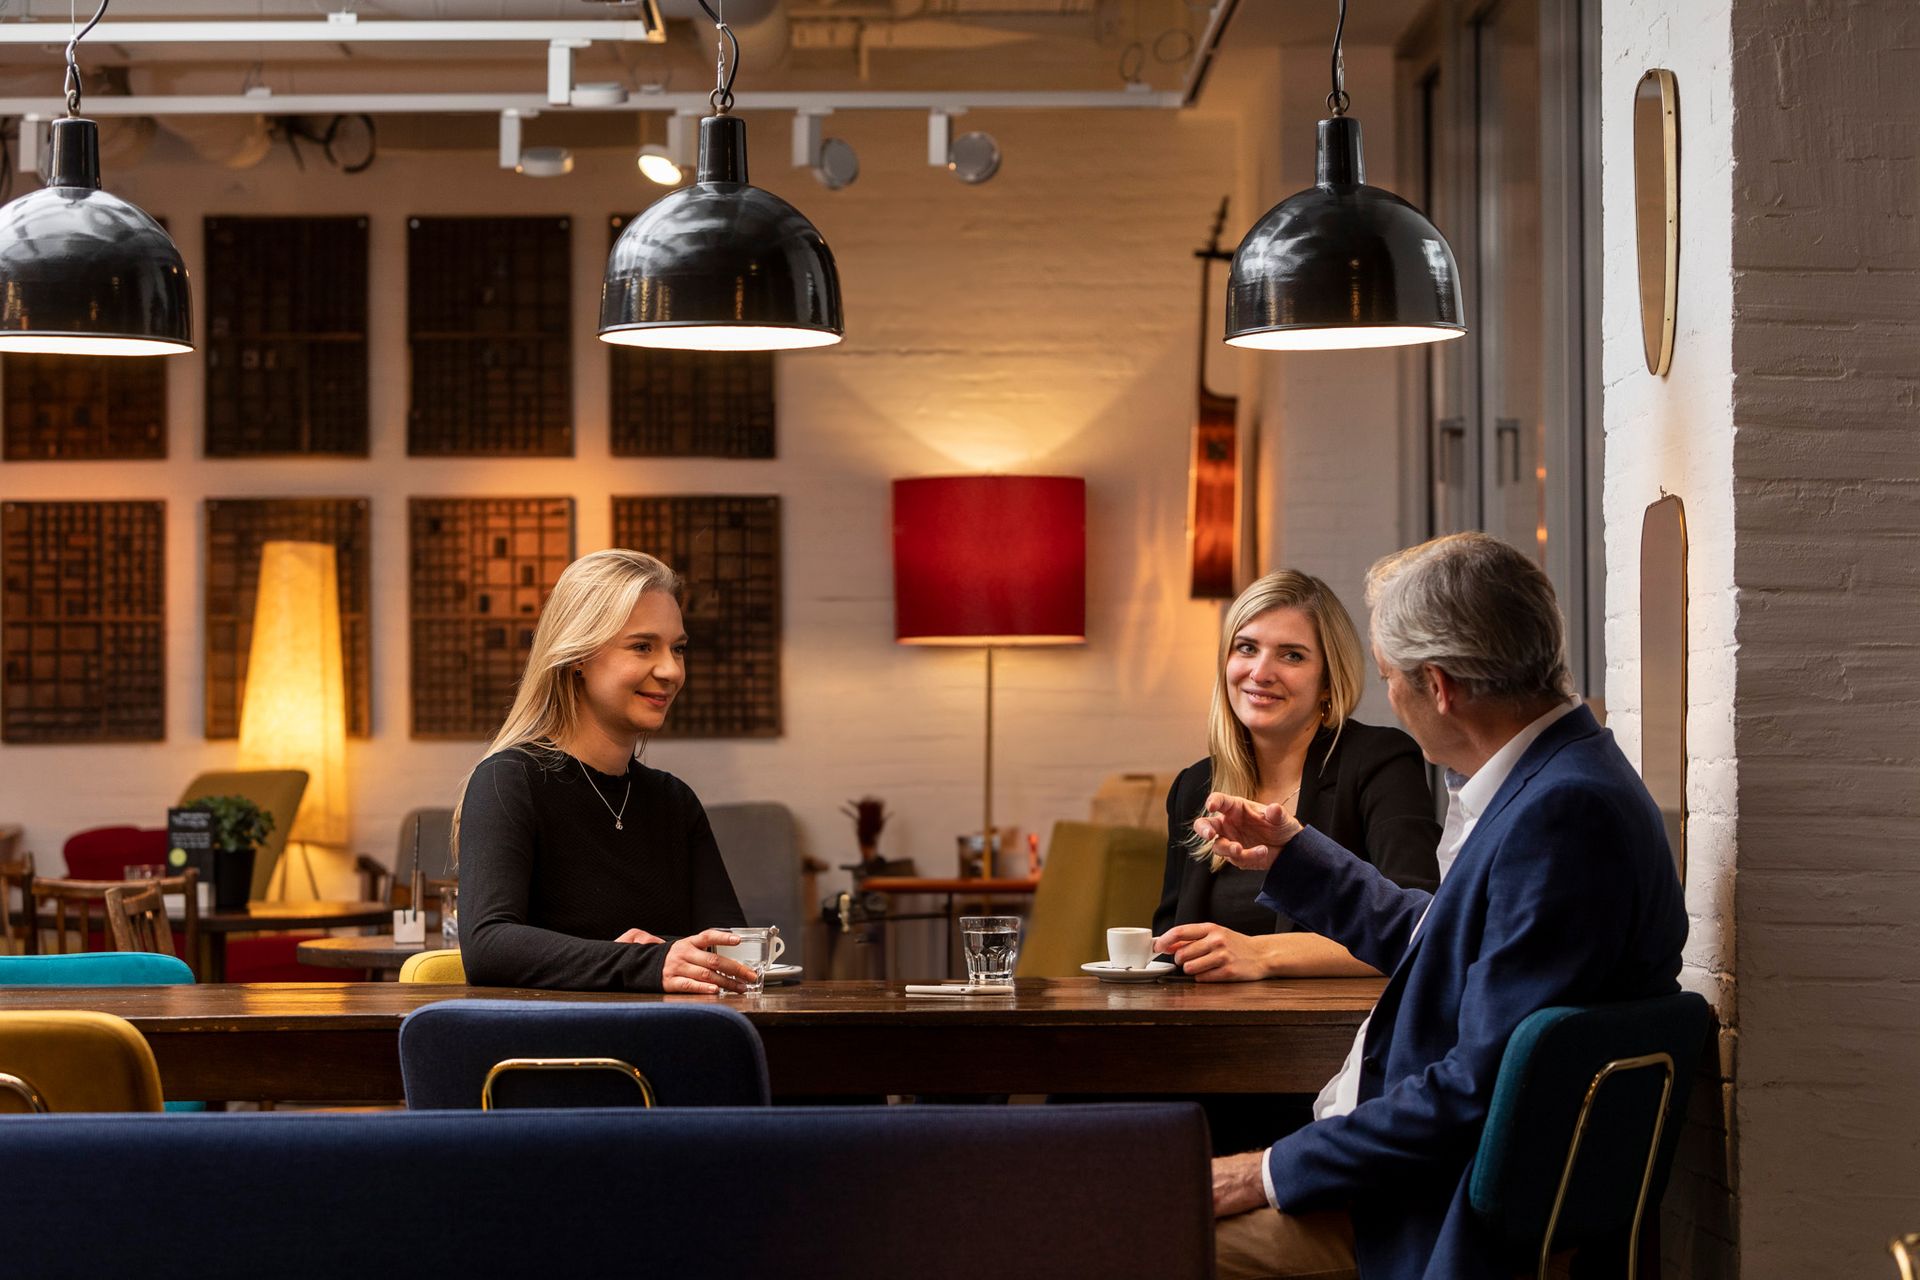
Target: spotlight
(545, 162)
(666, 163)
(833, 161)
(535, 162)
(658, 165)
(973, 157)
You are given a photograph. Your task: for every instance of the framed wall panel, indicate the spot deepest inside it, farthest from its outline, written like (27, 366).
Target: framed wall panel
(83, 408)
(286, 336)
(83, 622)
(727, 548)
(489, 330)
(480, 570)
(236, 529)
(681, 404)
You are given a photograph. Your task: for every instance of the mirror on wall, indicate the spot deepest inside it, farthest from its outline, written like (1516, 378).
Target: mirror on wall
(1663, 667)
(1656, 211)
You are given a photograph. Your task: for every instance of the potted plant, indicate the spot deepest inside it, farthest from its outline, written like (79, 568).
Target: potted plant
(869, 814)
(239, 826)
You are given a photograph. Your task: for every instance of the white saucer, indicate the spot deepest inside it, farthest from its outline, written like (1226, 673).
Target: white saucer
(1108, 971)
(784, 973)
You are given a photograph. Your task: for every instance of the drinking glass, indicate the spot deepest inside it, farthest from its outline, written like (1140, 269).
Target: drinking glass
(759, 947)
(144, 871)
(991, 944)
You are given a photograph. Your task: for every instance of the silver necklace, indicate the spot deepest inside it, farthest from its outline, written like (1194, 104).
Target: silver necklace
(587, 773)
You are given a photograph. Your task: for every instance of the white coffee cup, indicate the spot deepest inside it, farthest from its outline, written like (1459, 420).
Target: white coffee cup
(1130, 948)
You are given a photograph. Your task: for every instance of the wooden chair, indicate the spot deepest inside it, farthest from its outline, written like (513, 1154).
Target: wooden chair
(73, 903)
(137, 915)
(17, 934)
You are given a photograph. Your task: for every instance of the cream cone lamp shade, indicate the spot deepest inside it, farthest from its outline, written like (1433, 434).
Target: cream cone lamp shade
(294, 715)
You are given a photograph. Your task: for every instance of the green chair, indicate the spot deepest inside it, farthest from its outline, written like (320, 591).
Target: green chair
(1586, 1113)
(277, 791)
(1097, 878)
(101, 969)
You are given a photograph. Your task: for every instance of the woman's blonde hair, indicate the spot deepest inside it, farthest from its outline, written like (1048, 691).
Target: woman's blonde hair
(1236, 769)
(590, 603)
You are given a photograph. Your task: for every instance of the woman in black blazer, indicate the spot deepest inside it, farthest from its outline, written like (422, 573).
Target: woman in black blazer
(1280, 732)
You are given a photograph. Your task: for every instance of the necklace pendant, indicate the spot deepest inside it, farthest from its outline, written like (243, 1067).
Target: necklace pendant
(619, 825)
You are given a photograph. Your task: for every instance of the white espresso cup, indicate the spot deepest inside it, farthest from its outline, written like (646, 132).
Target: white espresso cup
(1130, 948)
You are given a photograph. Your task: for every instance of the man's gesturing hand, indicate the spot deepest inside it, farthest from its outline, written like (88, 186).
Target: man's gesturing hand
(1245, 832)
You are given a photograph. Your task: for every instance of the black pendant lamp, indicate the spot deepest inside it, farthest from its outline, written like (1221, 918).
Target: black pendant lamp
(82, 272)
(1342, 264)
(721, 265)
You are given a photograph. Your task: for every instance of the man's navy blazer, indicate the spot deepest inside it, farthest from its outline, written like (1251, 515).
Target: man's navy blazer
(1564, 893)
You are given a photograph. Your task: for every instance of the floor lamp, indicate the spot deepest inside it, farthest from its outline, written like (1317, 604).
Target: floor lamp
(990, 562)
(294, 713)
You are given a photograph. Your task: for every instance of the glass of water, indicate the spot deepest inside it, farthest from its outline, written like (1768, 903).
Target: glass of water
(991, 944)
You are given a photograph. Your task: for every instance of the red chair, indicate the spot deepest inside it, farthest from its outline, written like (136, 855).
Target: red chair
(104, 853)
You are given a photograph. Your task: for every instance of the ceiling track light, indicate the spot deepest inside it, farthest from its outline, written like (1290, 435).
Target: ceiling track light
(83, 272)
(534, 162)
(721, 265)
(1342, 265)
(832, 161)
(667, 163)
(972, 157)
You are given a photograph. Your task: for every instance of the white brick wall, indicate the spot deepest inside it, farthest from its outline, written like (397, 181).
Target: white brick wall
(1041, 322)
(1676, 433)
(1826, 358)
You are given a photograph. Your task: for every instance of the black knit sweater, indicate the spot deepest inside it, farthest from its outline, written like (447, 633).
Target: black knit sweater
(547, 882)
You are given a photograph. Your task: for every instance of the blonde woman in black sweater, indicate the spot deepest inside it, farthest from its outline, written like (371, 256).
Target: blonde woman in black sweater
(581, 868)
(1281, 731)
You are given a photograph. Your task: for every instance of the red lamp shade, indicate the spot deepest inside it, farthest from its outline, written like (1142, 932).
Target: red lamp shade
(990, 560)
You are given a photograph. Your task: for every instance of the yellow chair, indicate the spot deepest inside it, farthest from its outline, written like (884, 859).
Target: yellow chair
(277, 791)
(74, 1061)
(1097, 878)
(435, 966)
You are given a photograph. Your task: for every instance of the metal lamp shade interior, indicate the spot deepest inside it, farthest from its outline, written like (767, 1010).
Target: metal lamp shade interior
(721, 265)
(82, 271)
(1343, 265)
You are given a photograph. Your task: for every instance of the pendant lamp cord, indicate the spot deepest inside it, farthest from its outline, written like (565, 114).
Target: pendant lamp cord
(723, 70)
(73, 64)
(1337, 101)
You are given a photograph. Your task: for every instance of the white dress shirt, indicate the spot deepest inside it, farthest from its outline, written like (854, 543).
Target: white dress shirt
(1467, 799)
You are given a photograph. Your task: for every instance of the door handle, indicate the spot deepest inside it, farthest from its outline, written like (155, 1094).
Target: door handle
(1505, 430)
(1453, 439)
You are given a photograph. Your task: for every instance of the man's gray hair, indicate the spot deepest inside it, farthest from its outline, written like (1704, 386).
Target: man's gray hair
(1476, 608)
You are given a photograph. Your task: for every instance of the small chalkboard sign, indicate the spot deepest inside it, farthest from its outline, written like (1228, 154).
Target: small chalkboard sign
(190, 842)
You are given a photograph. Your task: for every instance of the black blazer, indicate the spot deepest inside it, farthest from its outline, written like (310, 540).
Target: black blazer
(1369, 795)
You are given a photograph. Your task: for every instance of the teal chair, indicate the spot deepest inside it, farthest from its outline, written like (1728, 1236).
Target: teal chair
(1586, 1113)
(100, 969)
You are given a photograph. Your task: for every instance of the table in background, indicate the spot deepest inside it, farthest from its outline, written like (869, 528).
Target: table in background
(376, 951)
(964, 888)
(327, 1042)
(277, 917)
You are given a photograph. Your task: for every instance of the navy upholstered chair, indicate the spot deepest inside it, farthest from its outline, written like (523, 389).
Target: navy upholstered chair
(688, 1055)
(856, 1193)
(1585, 1116)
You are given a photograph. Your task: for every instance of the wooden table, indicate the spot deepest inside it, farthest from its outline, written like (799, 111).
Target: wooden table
(258, 917)
(326, 1042)
(363, 951)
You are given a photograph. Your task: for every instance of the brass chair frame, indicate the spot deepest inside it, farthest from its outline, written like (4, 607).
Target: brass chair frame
(615, 1065)
(1906, 1254)
(1617, 1066)
(26, 1090)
